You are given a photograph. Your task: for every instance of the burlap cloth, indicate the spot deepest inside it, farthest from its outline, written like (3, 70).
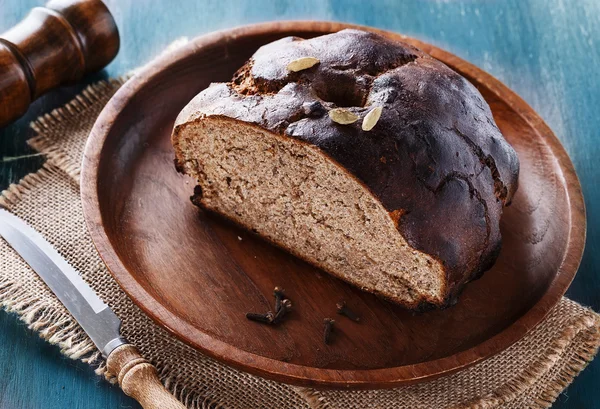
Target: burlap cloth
(529, 374)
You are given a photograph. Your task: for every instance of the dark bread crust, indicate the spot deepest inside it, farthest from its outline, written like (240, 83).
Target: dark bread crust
(435, 158)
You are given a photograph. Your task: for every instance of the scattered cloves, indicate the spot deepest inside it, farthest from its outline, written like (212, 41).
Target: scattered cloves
(282, 307)
(266, 318)
(343, 309)
(328, 330)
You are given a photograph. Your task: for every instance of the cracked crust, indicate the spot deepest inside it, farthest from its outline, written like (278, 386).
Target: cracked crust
(436, 159)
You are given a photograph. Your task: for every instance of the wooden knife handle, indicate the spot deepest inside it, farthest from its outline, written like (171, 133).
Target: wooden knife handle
(54, 45)
(139, 379)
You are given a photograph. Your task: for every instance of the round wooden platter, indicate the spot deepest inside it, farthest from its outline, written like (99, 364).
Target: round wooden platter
(197, 275)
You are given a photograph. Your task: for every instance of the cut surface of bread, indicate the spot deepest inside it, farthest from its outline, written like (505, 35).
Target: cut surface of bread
(294, 195)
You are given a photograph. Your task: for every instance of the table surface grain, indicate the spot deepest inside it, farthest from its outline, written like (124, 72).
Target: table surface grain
(548, 51)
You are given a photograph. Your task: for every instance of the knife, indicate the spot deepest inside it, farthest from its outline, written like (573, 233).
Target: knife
(137, 377)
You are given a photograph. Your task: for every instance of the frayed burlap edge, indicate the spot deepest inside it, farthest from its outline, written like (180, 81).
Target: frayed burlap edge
(90, 95)
(530, 375)
(314, 398)
(56, 327)
(587, 326)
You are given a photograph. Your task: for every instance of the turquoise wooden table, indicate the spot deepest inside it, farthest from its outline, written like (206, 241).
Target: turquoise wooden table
(548, 51)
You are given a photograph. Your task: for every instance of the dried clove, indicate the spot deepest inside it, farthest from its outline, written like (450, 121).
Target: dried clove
(278, 293)
(284, 308)
(266, 318)
(343, 309)
(328, 330)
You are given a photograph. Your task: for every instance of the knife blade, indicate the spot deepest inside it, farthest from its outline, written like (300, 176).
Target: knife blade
(94, 316)
(136, 376)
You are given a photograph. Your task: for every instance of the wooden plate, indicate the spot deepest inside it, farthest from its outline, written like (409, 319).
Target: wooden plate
(197, 275)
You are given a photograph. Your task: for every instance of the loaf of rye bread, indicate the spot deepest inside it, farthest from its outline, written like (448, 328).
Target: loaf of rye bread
(404, 202)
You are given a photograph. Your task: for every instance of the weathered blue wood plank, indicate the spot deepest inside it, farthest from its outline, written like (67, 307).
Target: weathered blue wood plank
(546, 50)
(35, 375)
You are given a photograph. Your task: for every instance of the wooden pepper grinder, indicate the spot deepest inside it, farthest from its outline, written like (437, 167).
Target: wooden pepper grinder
(54, 45)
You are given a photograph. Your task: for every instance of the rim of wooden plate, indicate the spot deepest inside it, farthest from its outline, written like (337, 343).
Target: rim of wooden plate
(303, 375)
